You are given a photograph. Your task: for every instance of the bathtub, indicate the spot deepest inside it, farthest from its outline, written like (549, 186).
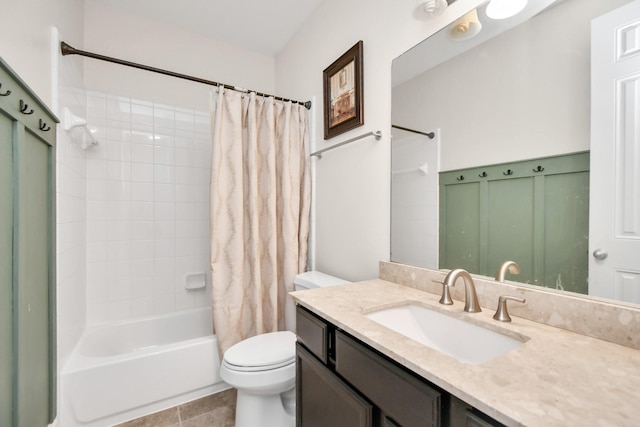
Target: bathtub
(125, 370)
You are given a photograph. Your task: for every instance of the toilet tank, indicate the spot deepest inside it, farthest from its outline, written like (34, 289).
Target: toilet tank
(316, 279)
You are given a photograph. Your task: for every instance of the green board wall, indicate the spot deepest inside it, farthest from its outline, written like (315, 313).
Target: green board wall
(534, 212)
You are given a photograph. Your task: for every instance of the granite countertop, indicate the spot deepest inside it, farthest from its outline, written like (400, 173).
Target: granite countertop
(555, 378)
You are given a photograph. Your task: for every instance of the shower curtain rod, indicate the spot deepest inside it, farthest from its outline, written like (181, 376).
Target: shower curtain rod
(429, 134)
(66, 49)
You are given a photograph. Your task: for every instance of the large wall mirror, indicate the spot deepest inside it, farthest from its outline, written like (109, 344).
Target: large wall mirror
(516, 92)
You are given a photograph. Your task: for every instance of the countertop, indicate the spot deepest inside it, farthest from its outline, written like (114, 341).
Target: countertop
(555, 378)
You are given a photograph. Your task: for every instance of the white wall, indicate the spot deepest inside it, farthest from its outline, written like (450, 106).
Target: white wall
(115, 33)
(25, 38)
(352, 203)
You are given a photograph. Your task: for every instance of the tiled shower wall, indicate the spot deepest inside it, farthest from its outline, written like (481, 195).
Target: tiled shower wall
(147, 207)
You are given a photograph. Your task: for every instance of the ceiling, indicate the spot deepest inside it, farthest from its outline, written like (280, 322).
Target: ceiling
(263, 26)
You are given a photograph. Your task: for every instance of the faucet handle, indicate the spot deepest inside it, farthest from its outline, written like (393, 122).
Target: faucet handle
(445, 299)
(502, 314)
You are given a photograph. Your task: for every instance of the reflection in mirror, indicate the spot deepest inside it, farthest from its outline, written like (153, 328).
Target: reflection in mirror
(519, 90)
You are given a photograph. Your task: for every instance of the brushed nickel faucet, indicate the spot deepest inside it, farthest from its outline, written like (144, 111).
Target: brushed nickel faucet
(512, 266)
(470, 297)
(502, 314)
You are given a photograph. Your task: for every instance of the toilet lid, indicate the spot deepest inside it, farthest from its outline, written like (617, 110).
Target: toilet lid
(262, 352)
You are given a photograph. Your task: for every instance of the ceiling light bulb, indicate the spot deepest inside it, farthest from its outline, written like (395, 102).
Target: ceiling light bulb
(466, 27)
(426, 9)
(502, 9)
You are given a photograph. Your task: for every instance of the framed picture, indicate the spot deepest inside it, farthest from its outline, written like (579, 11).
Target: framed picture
(343, 97)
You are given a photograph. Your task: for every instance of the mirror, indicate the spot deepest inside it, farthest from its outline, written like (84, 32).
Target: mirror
(519, 90)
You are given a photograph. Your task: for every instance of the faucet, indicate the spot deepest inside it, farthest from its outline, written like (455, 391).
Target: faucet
(470, 297)
(512, 266)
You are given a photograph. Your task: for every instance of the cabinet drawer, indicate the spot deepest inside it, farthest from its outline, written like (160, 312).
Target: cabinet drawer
(313, 332)
(408, 401)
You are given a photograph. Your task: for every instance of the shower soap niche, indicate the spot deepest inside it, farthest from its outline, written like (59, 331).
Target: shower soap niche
(196, 281)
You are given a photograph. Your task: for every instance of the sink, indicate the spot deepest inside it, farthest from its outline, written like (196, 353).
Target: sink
(465, 341)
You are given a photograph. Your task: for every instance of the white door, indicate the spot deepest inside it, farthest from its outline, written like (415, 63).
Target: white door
(614, 224)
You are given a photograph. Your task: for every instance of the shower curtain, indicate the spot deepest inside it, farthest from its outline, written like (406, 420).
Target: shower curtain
(260, 201)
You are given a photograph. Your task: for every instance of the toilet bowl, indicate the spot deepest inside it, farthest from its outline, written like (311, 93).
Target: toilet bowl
(263, 369)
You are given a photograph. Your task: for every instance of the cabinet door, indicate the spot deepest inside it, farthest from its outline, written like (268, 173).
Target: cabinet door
(324, 400)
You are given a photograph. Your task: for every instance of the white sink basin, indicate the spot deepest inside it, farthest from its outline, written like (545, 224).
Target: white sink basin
(466, 342)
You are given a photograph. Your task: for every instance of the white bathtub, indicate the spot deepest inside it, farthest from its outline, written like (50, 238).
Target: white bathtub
(128, 369)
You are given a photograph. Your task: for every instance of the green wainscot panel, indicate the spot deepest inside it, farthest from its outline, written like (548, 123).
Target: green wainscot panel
(27, 256)
(33, 272)
(566, 245)
(460, 227)
(534, 212)
(510, 226)
(6, 270)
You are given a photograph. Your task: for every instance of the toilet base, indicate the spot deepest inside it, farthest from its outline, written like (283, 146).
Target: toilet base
(256, 410)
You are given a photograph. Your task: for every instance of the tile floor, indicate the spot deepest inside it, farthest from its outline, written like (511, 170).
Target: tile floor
(216, 410)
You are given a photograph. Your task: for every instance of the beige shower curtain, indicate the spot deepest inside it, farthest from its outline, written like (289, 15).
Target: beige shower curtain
(260, 199)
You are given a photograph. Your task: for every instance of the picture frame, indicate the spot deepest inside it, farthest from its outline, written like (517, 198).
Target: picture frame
(343, 93)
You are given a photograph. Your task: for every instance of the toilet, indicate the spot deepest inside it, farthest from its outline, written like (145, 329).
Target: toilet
(263, 369)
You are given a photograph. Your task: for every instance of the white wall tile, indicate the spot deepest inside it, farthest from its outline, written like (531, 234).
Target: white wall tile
(142, 288)
(142, 230)
(165, 303)
(164, 192)
(165, 248)
(164, 174)
(141, 210)
(144, 190)
(164, 211)
(141, 307)
(164, 229)
(142, 153)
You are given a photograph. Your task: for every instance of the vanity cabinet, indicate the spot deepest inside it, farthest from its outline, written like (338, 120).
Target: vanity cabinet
(27, 255)
(341, 381)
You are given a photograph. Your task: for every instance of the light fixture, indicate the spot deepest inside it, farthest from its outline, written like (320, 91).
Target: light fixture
(502, 9)
(426, 9)
(465, 27)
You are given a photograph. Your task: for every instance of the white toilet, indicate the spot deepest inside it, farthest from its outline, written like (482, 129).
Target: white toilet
(263, 369)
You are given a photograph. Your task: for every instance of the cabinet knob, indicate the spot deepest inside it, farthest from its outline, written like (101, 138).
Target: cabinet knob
(502, 315)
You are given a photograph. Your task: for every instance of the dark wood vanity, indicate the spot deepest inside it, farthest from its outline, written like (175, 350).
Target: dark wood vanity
(342, 382)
